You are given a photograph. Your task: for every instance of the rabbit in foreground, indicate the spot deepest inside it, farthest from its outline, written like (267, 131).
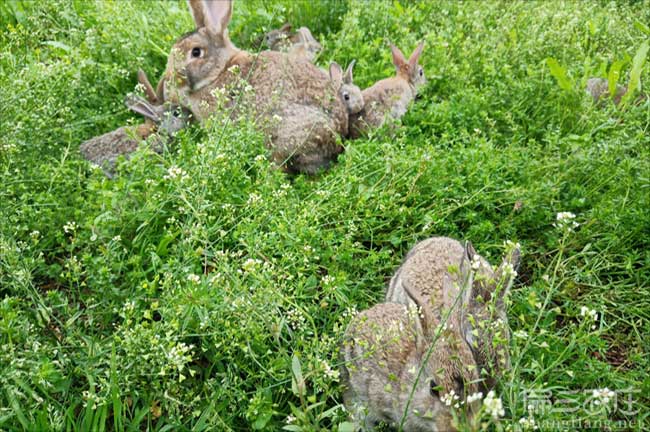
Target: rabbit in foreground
(166, 119)
(390, 97)
(301, 43)
(481, 293)
(206, 61)
(384, 350)
(348, 91)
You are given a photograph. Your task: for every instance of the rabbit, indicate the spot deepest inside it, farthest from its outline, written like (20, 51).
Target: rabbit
(390, 97)
(598, 89)
(483, 318)
(302, 43)
(383, 351)
(206, 61)
(348, 91)
(167, 119)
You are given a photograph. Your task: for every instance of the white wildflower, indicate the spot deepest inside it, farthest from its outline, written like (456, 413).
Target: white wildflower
(290, 419)
(254, 198)
(565, 220)
(493, 405)
(117, 238)
(70, 227)
(174, 173)
(474, 397)
(603, 396)
(528, 423)
(194, 278)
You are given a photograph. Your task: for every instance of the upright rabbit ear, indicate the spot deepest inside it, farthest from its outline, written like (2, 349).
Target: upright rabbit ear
(143, 107)
(348, 78)
(213, 14)
(196, 8)
(398, 58)
(336, 73)
(286, 28)
(218, 14)
(148, 88)
(413, 60)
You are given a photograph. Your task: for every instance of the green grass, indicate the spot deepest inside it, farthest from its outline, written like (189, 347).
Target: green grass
(216, 300)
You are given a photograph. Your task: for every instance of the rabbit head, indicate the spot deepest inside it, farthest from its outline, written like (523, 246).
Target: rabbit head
(483, 317)
(277, 37)
(169, 118)
(409, 70)
(350, 93)
(199, 57)
(391, 350)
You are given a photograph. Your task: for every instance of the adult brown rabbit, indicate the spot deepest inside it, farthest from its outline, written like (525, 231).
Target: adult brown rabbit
(282, 87)
(407, 365)
(483, 319)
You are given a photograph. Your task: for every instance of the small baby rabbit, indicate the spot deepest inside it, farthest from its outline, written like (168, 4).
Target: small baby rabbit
(301, 43)
(598, 89)
(483, 320)
(392, 350)
(348, 91)
(167, 119)
(390, 97)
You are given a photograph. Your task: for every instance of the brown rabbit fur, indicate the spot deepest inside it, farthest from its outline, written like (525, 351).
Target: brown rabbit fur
(206, 60)
(483, 319)
(384, 349)
(390, 97)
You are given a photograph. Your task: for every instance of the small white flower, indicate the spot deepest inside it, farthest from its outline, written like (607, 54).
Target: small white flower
(476, 262)
(493, 405)
(565, 220)
(474, 397)
(196, 279)
(117, 238)
(70, 227)
(290, 419)
(35, 234)
(509, 270)
(254, 198)
(528, 423)
(174, 173)
(603, 396)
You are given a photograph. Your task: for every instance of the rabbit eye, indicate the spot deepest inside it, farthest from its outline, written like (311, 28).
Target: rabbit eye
(178, 112)
(196, 52)
(346, 96)
(421, 72)
(433, 389)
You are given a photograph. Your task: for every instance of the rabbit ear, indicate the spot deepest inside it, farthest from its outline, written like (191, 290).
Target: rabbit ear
(143, 107)
(148, 88)
(218, 14)
(424, 319)
(196, 8)
(213, 14)
(286, 28)
(348, 78)
(413, 60)
(398, 58)
(336, 73)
